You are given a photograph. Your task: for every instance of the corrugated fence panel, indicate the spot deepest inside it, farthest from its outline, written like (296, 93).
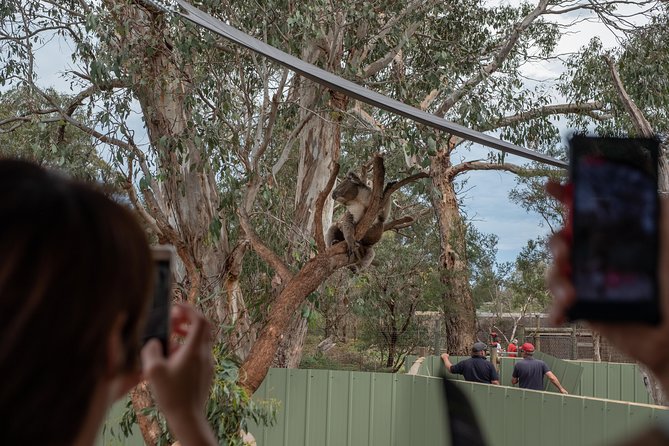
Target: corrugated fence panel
(568, 373)
(328, 408)
(383, 392)
(433, 366)
(315, 424)
(610, 380)
(515, 417)
(341, 408)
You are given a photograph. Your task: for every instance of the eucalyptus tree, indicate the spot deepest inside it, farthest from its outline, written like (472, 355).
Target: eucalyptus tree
(631, 81)
(49, 142)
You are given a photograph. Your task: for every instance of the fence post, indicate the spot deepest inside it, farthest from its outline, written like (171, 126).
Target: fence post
(574, 344)
(537, 336)
(437, 337)
(520, 334)
(493, 358)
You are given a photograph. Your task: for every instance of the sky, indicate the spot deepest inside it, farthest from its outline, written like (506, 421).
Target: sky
(486, 201)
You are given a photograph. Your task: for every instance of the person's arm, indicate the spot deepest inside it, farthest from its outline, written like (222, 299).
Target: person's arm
(556, 383)
(494, 375)
(514, 376)
(181, 382)
(447, 362)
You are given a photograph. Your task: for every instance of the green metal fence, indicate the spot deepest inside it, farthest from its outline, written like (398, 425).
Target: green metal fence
(332, 408)
(321, 407)
(516, 417)
(610, 380)
(111, 432)
(337, 408)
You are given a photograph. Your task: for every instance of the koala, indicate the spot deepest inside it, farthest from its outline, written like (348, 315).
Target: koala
(356, 196)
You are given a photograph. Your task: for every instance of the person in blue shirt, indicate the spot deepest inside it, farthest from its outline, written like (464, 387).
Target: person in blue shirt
(475, 369)
(529, 373)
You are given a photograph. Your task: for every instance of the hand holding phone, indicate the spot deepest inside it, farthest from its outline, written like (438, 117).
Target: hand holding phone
(614, 229)
(641, 341)
(158, 320)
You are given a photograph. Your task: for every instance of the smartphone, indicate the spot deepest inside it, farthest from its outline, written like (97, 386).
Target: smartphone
(614, 222)
(158, 320)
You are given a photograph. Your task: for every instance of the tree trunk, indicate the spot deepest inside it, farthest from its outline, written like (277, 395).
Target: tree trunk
(457, 300)
(141, 400)
(291, 344)
(657, 396)
(392, 348)
(314, 272)
(320, 143)
(597, 346)
(183, 198)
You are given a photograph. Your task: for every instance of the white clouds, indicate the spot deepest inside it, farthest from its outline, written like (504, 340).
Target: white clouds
(488, 206)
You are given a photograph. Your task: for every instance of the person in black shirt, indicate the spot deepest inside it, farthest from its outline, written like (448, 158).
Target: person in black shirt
(529, 373)
(477, 368)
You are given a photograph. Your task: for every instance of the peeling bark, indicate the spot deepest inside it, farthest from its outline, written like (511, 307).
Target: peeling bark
(458, 304)
(141, 399)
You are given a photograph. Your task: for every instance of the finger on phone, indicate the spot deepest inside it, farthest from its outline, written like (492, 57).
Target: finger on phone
(152, 357)
(556, 190)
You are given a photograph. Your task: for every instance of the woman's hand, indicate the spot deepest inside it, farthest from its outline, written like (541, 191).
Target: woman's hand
(181, 382)
(646, 343)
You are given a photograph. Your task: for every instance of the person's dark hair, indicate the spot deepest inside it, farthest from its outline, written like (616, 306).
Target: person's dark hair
(72, 262)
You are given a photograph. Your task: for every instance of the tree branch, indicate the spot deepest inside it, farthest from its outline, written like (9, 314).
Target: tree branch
(269, 256)
(546, 110)
(640, 122)
(393, 187)
(498, 59)
(382, 62)
(387, 27)
(320, 202)
(453, 171)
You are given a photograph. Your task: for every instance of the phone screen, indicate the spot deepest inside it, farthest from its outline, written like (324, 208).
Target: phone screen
(157, 325)
(615, 211)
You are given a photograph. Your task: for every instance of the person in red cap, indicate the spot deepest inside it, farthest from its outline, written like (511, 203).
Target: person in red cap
(529, 373)
(512, 349)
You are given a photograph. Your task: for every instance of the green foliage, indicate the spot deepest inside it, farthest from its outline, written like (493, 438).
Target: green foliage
(528, 282)
(643, 65)
(387, 296)
(507, 287)
(229, 408)
(52, 144)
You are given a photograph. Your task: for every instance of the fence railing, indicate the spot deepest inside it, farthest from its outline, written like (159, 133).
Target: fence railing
(616, 381)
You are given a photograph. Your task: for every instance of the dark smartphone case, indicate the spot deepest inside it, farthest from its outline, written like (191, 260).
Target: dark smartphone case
(613, 225)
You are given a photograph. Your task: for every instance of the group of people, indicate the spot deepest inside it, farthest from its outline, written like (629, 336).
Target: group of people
(528, 373)
(511, 349)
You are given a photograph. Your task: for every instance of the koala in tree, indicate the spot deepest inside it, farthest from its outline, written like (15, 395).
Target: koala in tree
(356, 196)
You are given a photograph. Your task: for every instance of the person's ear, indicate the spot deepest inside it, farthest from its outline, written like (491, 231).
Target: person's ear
(116, 352)
(117, 370)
